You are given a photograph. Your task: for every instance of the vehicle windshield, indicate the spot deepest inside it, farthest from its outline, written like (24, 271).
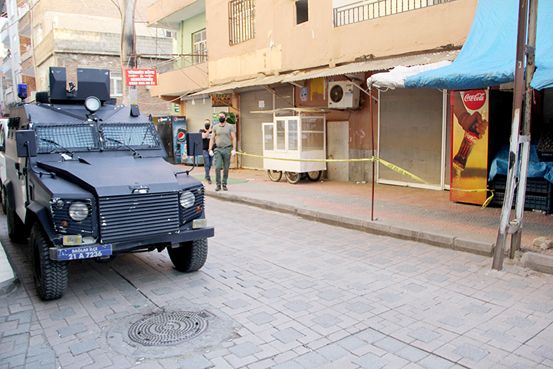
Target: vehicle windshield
(135, 135)
(74, 137)
(55, 137)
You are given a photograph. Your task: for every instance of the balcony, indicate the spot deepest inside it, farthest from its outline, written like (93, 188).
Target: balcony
(181, 76)
(370, 9)
(169, 13)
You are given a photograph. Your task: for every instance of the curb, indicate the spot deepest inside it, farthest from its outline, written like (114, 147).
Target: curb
(8, 279)
(538, 262)
(435, 239)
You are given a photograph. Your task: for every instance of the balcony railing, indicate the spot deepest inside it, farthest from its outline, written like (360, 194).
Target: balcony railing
(371, 9)
(180, 62)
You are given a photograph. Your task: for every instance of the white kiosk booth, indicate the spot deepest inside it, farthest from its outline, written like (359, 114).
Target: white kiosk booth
(295, 137)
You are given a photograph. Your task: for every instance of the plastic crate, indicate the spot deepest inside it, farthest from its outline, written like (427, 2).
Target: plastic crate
(531, 202)
(533, 185)
(545, 147)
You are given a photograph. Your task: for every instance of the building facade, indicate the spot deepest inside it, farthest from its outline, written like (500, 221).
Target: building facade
(71, 34)
(283, 54)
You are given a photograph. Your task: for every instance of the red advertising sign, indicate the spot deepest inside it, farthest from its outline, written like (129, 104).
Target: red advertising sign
(141, 77)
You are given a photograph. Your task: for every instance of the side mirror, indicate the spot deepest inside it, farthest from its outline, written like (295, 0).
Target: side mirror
(26, 143)
(194, 144)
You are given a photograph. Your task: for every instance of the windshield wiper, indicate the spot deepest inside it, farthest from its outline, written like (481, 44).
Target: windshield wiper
(134, 152)
(58, 145)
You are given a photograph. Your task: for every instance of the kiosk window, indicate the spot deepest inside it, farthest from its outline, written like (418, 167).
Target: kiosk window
(293, 135)
(268, 137)
(280, 135)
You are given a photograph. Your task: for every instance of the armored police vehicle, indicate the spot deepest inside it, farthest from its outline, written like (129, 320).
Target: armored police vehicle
(87, 179)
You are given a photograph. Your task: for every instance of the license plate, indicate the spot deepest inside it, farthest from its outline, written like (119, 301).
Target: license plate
(199, 223)
(82, 252)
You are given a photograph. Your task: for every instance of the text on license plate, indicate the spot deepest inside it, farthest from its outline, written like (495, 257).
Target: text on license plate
(83, 252)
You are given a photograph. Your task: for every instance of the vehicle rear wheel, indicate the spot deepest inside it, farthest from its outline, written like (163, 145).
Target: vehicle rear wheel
(17, 232)
(293, 177)
(3, 198)
(50, 275)
(314, 176)
(190, 256)
(274, 175)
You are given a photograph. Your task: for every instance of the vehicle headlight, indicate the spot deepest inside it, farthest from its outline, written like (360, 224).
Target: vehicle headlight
(78, 211)
(187, 199)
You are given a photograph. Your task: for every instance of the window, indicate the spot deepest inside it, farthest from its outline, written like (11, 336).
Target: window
(302, 12)
(199, 47)
(241, 21)
(116, 85)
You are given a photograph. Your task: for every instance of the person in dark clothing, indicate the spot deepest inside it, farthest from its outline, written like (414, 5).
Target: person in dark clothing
(206, 137)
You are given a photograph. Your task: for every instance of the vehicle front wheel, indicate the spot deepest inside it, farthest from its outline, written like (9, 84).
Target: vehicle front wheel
(190, 256)
(50, 275)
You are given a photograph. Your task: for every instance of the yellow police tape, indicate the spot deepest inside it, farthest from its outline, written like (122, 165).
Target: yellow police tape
(387, 164)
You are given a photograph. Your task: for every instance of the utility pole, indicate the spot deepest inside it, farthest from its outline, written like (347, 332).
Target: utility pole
(128, 49)
(526, 123)
(506, 225)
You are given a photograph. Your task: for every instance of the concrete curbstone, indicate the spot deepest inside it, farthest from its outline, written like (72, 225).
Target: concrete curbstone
(538, 262)
(8, 279)
(475, 247)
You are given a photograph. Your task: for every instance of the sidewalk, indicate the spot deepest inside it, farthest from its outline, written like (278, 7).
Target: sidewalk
(416, 214)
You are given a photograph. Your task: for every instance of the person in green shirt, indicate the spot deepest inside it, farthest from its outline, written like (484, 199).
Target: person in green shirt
(222, 146)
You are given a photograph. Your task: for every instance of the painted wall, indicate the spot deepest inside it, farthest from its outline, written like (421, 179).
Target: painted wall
(186, 29)
(280, 45)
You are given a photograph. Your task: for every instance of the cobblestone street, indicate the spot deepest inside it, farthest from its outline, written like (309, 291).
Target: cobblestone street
(284, 292)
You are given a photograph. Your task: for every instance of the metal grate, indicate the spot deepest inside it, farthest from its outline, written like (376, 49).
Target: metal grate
(131, 217)
(72, 136)
(131, 134)
(241, 21)
(371, 9)
(168, 328)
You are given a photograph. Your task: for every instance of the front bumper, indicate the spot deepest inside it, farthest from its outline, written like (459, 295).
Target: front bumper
(153, 241)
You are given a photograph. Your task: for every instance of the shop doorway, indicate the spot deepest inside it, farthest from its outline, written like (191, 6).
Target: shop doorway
(412, 135)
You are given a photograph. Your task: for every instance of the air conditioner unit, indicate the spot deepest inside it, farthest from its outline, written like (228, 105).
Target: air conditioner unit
(342, 95)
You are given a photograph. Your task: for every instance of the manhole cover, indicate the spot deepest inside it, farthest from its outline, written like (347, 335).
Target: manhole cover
(168, 328)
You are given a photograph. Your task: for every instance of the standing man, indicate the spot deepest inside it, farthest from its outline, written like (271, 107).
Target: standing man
(206, 137)
(224, 139)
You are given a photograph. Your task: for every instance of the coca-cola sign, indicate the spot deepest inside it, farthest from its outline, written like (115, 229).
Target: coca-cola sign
(474, 99)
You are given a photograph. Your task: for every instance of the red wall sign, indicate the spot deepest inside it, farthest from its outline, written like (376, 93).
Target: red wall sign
(141, 77)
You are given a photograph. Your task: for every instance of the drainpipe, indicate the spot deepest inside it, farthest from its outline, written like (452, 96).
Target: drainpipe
(128, 49)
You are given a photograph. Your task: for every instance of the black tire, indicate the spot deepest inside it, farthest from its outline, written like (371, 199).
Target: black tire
(293, 177)
(3, 198)
(190, 256)
(50, 276)
(274, 175)
(314, 176)
(17, 232)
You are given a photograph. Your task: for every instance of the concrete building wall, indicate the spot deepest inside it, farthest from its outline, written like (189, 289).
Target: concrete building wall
(280, 45)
